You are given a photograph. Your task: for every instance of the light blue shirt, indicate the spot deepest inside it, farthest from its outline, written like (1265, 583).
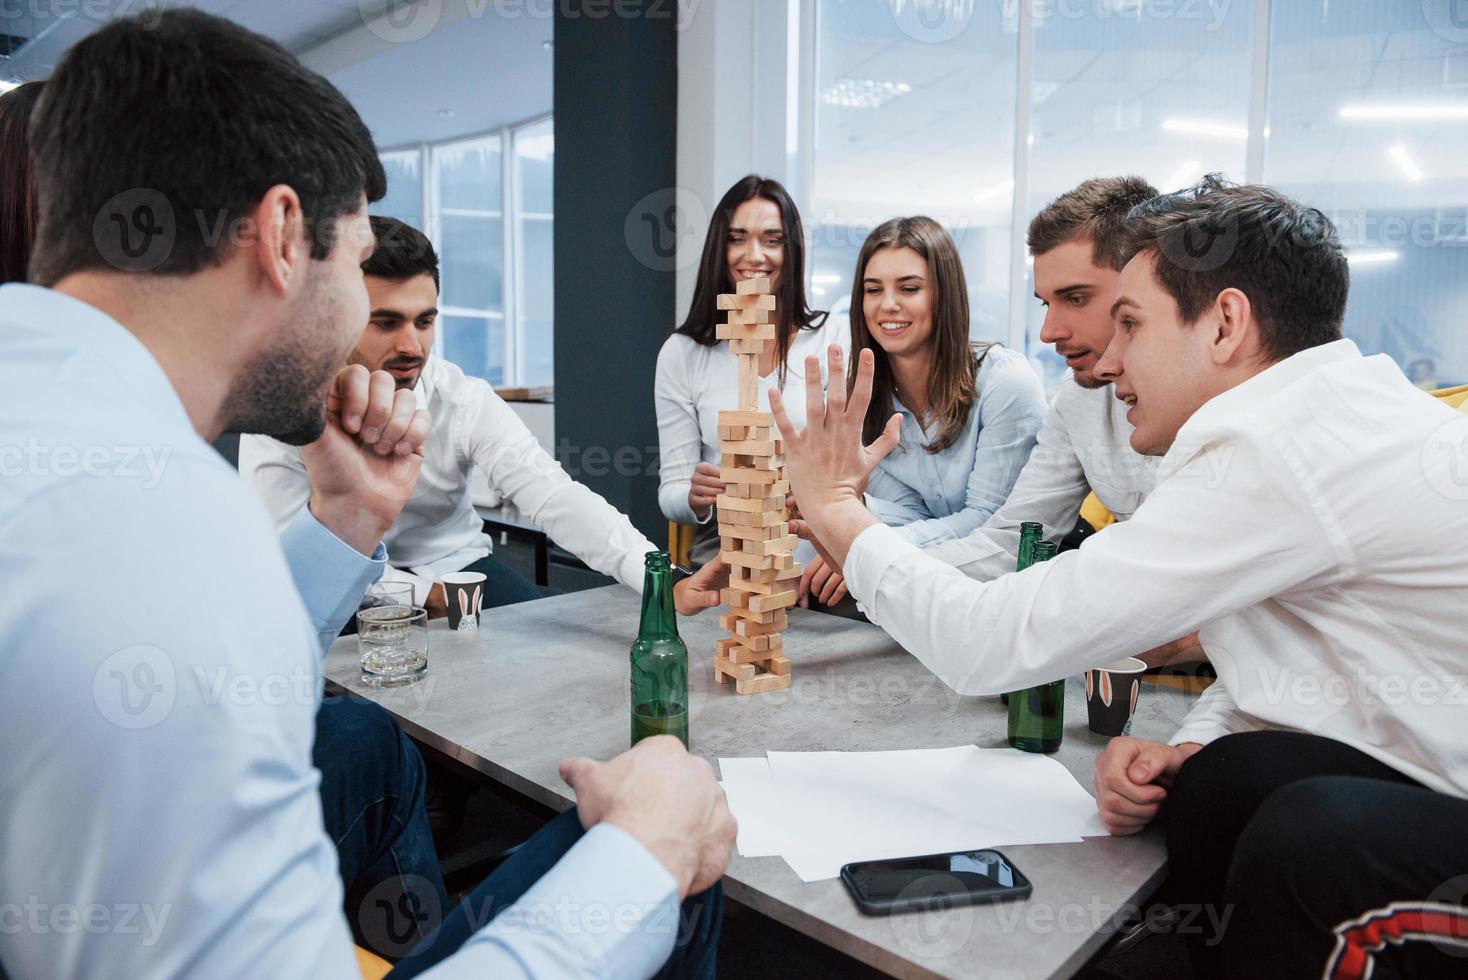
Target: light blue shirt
(159, 813)
(933, 497)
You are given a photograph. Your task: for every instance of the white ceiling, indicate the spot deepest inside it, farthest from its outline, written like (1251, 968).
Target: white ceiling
(482, 67)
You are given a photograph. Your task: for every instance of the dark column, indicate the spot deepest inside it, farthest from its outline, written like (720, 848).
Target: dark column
(616, 98)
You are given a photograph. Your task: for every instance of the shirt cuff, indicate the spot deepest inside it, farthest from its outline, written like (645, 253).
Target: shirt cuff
(607, 909)
(875, 550)
(330, 574)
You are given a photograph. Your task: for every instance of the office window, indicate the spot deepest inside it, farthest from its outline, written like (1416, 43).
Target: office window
(1357, 107)
(1120, 92)
(492, 228)
(909, 120)
(1368, 116)
(404, 197)
(534, 149)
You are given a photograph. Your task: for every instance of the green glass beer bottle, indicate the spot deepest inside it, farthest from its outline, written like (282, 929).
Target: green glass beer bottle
(1037, 714)
(1030, 534)
(659, 659)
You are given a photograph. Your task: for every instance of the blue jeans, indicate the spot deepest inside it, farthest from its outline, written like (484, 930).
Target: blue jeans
(372, 800)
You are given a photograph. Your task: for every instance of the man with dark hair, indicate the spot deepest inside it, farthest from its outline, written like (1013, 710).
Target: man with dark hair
(1084, 444)
(1307, 519)
(202, 223)
(439, 531)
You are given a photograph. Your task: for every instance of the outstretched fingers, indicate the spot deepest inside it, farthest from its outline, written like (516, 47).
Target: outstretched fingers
(835, 382)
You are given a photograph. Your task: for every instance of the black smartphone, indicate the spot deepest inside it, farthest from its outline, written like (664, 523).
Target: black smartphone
(934, 881)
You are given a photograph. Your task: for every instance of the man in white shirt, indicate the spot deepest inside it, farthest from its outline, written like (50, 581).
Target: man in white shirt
(1084, 445)
(439, 531)
(1308, 520)
(155, 762)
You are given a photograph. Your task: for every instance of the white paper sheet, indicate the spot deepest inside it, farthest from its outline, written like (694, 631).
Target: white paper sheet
(820, 810)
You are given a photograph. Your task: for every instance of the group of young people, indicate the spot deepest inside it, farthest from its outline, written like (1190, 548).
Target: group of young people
(1276, 513)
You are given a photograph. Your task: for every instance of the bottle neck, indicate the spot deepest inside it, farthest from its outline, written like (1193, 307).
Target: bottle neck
(658, 615)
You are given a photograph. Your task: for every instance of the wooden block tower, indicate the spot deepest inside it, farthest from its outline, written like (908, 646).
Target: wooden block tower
(754, 536)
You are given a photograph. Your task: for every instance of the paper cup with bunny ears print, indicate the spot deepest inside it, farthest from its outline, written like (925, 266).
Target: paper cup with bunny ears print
(464, 591)
(1111, 696)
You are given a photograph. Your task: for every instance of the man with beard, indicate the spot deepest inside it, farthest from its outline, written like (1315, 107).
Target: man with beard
(163, 673)
(439, 531)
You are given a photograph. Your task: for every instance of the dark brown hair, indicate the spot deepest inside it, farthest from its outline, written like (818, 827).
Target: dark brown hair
(952, 388)
(1284, 256)
(714, 277)
(180, 121)
(402, 253)
(1096, 209)
(17, 197)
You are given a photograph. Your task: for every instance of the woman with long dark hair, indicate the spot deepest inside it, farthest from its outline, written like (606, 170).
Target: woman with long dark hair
(970, 412)
(755, 231)
(17, 202)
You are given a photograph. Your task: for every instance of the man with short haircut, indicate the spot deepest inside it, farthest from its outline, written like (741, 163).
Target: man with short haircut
(164, 676)
(439, 530)
(1308, 521)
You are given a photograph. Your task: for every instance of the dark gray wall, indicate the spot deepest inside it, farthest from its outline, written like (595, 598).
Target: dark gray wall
(616, 99)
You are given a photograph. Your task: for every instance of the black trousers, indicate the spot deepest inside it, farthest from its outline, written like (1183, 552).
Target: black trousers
(1297, 856)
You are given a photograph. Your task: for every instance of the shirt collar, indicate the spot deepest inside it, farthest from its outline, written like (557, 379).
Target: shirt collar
(72, 324)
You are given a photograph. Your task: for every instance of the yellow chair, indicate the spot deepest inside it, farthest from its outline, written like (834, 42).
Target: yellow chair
(680, 542)
(371, 966)
(1455, 397)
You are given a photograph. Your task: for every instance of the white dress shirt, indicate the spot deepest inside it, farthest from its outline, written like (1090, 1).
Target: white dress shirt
(942, 496)
(439, 531)
(159, 813)
(1084, 445)
(1309, 522)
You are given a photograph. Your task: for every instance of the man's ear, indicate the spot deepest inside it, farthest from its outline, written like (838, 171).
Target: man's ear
(1234, 328)
(280, 244)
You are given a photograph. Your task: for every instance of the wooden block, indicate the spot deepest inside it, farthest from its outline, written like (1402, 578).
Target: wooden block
(778, 665)
(777, 489)
(742, 672)
(787, 574)
(734, 301)
(784, 561)
(758, 285)
(736, 461)
(745, 331)
(748, 384)
(754, 585)
(753, 447)
(750, 616)
(751, 316)
(745, 560)
(746, 475)
(746, 348)
(746, 418)
(749, 504)
(772, 546)
(763, 683)
(766, 644)
(753, 533)
(743, 490)
(734, 598)
(732, 432)
(743, 627)
(768, 603)
(746, 518)
(721, 677)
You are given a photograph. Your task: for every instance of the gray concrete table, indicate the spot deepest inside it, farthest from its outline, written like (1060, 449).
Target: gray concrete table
(547, 679)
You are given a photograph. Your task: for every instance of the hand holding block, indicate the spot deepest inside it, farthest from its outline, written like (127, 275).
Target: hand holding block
(758, 285)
